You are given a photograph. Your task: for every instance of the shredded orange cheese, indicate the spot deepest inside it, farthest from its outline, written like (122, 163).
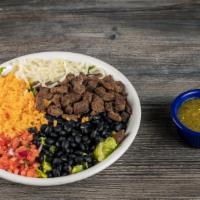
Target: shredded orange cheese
(17, 107)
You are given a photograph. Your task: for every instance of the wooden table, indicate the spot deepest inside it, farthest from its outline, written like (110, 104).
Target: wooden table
(156, 44)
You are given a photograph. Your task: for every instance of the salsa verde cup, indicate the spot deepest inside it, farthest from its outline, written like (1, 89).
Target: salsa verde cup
(191, 137)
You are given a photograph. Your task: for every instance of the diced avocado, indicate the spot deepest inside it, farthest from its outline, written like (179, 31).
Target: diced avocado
(105, 148)
(46, 166)
(98, 152)
(77, 168)
(52, 148)
(41, 174)
(42, 140)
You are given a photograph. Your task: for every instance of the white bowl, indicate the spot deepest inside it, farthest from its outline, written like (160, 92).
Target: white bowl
(133, 125)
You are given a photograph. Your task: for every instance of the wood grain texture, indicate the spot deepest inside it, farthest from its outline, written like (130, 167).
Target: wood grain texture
(156, 44)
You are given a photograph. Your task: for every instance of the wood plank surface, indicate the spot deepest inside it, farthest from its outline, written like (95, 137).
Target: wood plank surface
(156, 44)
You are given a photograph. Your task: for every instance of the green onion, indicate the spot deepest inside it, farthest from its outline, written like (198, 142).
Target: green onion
(90, 68)
(1, 70)
(33, 90)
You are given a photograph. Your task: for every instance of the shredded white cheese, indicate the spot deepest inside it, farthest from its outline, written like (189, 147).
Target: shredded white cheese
(53, 71)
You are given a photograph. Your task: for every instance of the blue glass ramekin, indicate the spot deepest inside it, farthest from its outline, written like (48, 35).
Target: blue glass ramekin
(191, 137)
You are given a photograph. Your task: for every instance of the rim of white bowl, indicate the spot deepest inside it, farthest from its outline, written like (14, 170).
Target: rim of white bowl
(132, 129)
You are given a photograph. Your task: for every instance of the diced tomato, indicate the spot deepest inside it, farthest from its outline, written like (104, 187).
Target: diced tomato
(23, 172)
(31, 173)
(18, 155)
(23, 154)
(15, 142)
(16, 171)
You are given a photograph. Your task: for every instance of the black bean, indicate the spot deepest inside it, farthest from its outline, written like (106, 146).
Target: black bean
(84, 126)
(110, 121)
(93, 147)
(58, 144)
(98, 139)
(59, 168)
(64, 173)
(86, 147)
(67, 128)
(79, 153)
(60, 120)
(96, 117)
(56, 172)
(88, 159)
(49, 117)
(62, 133)
(100, 127)
(87, 142)
(50, 159)
(42, 134)
(79, 159)
(103, 114)
(74, 134)
(70, 123)
(67, 150)
(70, 139)
(64, 158)
(32, 130)
(73, 144)
(82, 147)
(50, 175)
(50, 141)
(118, 126)
(73, 124)
(105, 133)
(46, 151)
(48, 130)
(70, 162)
(40, 159)
(36, 142)
(60, 139)
(78, 139)
(85, 138)
(65, 145)
(96, 121)
(43, 127)
(56, 161)
(94, 134)
(65, 168)
(59, 154)
(72, 156)
(57, 129)
(53, 134)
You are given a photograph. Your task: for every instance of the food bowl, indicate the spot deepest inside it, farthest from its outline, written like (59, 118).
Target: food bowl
(132, 129)
(191, 137)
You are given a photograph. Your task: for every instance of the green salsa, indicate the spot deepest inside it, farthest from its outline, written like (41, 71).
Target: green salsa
(189, 114)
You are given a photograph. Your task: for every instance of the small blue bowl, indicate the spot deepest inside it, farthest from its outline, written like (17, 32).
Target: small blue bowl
(191, 137)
